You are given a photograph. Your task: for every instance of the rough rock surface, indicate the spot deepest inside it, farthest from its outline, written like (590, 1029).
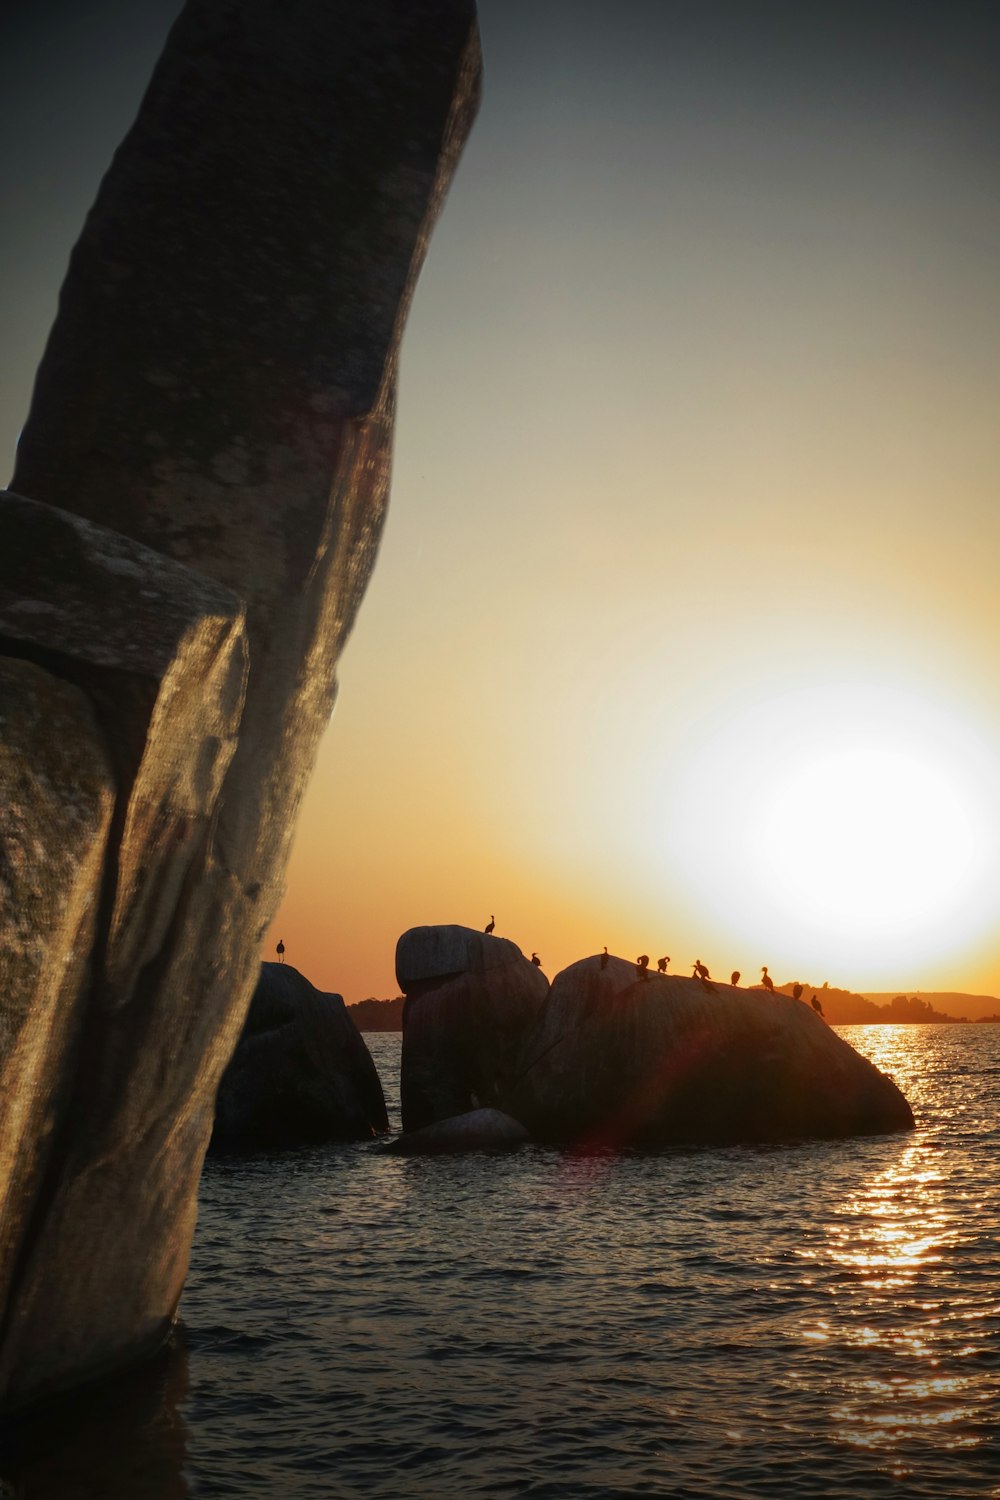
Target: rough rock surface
(148, 662)
(470, 1002)
(617, 1059)
(479, 1130)
(58, 793)
(300, 1074)
(219, 386)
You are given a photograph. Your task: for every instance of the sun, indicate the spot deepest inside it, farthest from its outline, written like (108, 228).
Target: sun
(850, 828)
(870, 840)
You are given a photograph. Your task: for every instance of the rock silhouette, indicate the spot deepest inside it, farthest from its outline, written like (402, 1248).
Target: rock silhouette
(613, 1061)
(216, 402)
(300, 1074)
(470, 1002)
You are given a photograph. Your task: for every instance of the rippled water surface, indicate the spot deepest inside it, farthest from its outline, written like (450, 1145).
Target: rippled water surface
(821, 1319)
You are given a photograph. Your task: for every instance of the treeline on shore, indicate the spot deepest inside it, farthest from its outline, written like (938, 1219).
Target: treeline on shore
(378, 1015)
(840, 1008)
(843, 1008)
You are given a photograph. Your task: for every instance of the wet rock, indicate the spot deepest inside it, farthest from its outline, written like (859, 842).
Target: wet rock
(618, 1060)
(479, 1130)
(219, 386)
(301, 1073)
(471, 1000)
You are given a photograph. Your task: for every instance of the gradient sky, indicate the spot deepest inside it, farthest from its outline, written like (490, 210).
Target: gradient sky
(683, 637)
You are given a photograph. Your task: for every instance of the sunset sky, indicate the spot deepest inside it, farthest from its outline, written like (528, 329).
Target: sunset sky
(684, 634)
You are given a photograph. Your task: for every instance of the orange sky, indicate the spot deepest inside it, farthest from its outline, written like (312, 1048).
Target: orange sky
(694, 510)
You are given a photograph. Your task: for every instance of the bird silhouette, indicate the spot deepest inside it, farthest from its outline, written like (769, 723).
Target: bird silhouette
(536, 961)
(796, 992)
(766, 980)
(490, 924)
(280, 951)
(817, 1007)
(661, 964)
(604, 957)
(734, 977)
(642, 965)
(700, 972)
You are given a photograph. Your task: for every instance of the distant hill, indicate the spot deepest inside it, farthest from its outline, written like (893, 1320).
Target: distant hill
(973, 1007)
(377, 1015)
(843, 1008)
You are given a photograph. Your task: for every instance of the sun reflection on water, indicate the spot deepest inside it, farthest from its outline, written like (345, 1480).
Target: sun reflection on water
(888, 1251)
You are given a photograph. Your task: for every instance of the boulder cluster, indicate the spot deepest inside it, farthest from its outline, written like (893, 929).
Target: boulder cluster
(606, 1057)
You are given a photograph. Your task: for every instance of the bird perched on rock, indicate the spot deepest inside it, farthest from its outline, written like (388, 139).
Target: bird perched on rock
(734, 977)
(280, 951)
(536, 961)
(796, 992)
(766, 979)
(817, 1007)
(642, 965)
(700, 971)
(661, 964)
(490, 924)
(604, 957)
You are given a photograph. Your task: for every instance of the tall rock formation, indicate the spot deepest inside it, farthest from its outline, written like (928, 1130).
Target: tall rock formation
(471, 1001)
(218, 389)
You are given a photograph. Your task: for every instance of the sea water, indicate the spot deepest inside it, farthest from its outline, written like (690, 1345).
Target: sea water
(814, 1319)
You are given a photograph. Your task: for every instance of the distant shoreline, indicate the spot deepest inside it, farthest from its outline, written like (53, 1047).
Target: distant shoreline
(840, 1007)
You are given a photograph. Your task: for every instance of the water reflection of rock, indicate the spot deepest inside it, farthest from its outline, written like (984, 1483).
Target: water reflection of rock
(122, 1437)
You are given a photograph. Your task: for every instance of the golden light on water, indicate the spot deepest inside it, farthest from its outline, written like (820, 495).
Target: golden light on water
(893, 1238)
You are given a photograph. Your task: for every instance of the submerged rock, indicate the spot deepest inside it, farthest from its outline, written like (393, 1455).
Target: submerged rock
(219, 389)
(471, 1000)
(300, 1074)
(618, 1060)
(478, 1130)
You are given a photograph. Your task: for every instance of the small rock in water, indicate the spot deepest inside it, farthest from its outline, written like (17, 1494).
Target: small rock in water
(478, 1130)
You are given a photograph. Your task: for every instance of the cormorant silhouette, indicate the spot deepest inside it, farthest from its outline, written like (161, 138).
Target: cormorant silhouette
(604, 957)
(536, 961)
(700, 972)
(280, 951)
(817, 1007)
(796, 992)
(766, 980)
(661, 964)
(490, 924)
(642, 965)
(734, 977)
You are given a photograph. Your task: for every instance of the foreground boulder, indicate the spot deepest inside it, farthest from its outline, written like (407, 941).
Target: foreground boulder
(618, 1059)
(219, 389)
(479, 1130)
(471, 1001)
(301, 1073)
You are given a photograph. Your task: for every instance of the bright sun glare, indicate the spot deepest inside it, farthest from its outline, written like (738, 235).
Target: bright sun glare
(849, 828)
(889, 841)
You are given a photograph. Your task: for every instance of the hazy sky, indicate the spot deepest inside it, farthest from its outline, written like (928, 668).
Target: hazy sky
(683, 637)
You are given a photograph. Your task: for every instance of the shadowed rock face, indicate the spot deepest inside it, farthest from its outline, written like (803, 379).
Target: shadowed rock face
(219, 388)
(617, 1060)
(300, 1074)
(470, 1002)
